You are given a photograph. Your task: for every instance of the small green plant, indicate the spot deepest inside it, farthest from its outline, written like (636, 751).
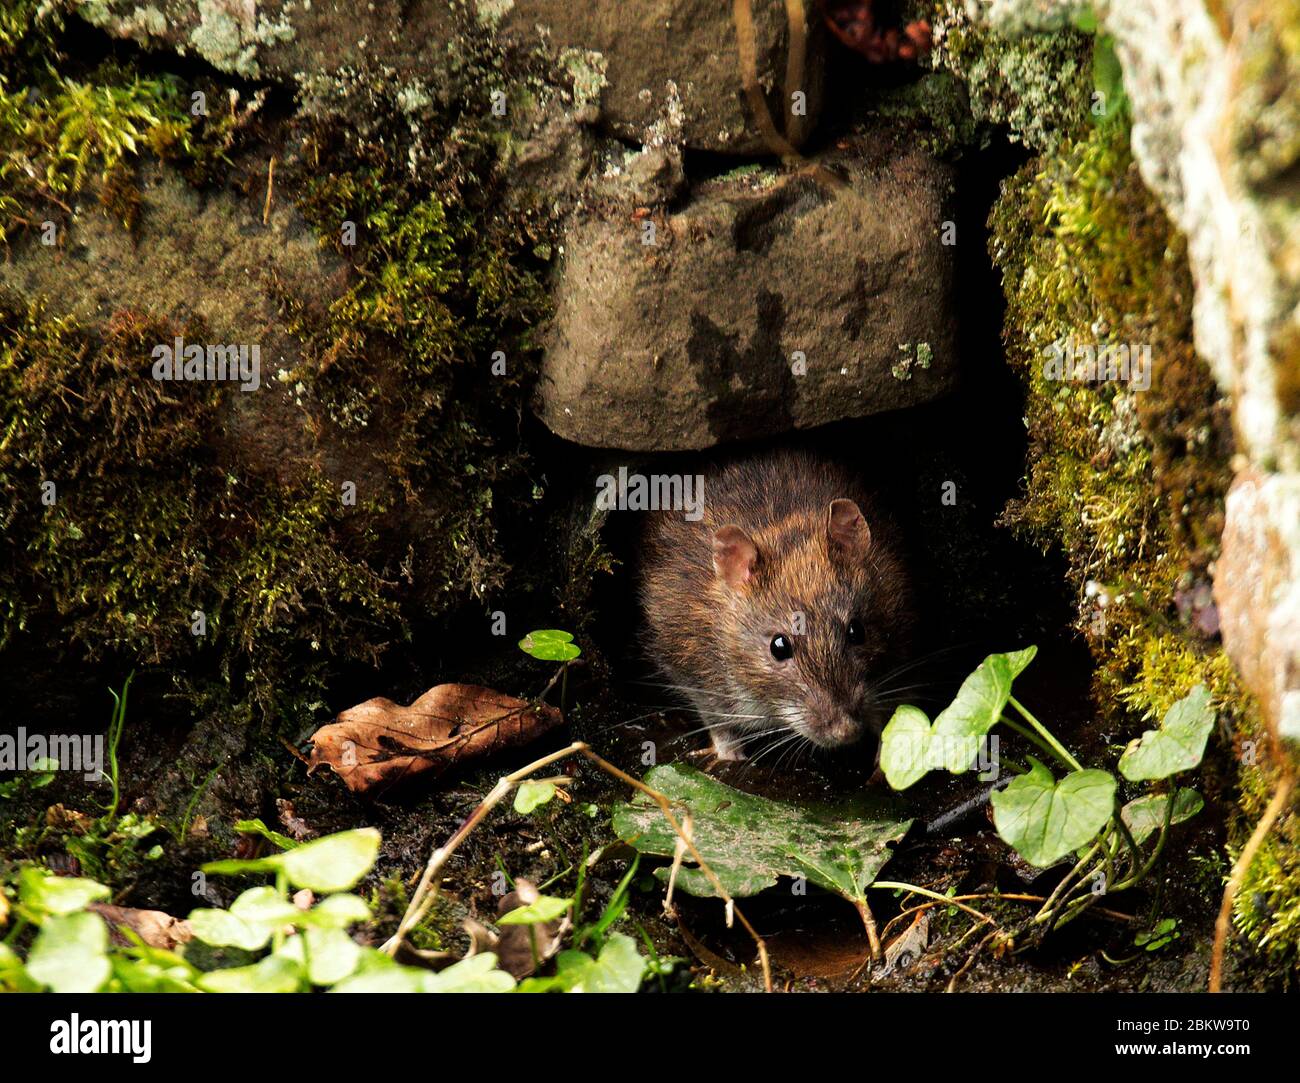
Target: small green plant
(550, 645)
(1046, 819)
(108, 846)
(553, 645)
(41, 774)
(303, 948)
(1110, 100)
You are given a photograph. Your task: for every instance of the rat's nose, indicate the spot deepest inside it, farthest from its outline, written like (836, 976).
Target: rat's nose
(835, 727)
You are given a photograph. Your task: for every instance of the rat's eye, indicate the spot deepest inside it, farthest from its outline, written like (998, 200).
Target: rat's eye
(855, 634)
(782, 648)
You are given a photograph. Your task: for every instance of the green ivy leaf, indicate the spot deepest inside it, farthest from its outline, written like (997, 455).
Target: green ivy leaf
(274, 974)
(1146, 815)
(257, 827)
(334, 863)
(905, 747)
(71, 953)
(377, 973)
(1177, 745)
(327, 955)
(910, 746)
(545, 908)
(1045, 820)
(532, 795)
(550, 645)
(617, 969)
(477, 974)
(43, 892)
(750, 841)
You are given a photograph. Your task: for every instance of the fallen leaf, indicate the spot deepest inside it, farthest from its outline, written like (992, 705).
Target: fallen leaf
(750, 841)
(67, 819)
(154, 927)
(291, 822)
(380, 743)
(909, 945)
(521, 948)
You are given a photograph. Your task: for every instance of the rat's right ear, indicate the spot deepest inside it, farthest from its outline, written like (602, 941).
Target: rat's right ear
(735, 556)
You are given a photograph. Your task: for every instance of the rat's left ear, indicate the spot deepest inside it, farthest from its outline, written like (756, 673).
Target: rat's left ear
(847, 528)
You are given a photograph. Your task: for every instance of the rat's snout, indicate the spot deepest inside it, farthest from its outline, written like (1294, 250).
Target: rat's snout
(831, 726)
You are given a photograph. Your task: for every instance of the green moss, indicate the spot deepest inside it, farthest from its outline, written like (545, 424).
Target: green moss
(1039, 85)
(153, 518)
(59, 133)
(145, 527)
(1129, 483)
(939, 104)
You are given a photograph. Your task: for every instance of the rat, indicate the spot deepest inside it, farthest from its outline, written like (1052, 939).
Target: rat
(780, 610)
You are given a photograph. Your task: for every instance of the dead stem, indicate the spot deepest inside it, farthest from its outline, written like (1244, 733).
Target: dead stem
(1238, 876)
(869, 921)
(794, 58)
(970, 959)
(270, 188)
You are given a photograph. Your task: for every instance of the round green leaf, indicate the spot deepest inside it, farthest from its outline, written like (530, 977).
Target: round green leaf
(264, 906)
(339, 911)
(550, 645)
(532, 795)
(274, 974)
(42, 891)
(377, 973)
(222, 929)
(477, 974)
(905, 747)
(334, 863)
(328, 955)
(1045, 820)
(546, 908)
(1177, 745)
(1146, 815)
(71, 953)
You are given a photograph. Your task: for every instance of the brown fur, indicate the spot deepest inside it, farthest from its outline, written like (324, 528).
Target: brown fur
(713, 638)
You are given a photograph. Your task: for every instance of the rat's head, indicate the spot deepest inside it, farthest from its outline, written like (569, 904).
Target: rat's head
(814, 612)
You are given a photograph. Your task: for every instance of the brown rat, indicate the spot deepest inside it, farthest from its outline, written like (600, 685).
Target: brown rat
(781, 608)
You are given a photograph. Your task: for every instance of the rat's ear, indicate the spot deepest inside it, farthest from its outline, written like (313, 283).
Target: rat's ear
(847, 528)
(735, 556)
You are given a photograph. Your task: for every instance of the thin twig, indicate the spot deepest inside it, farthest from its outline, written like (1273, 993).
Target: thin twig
(270, 187)
(952, 984)
(794, 61)
(1238, 876)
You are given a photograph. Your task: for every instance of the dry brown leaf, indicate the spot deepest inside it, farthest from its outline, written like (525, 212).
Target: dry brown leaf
(378, 743)
(522, 948)
(154, 927)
